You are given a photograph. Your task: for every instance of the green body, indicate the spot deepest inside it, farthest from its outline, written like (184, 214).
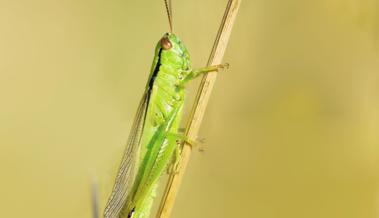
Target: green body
(158, 140)
(154, 133)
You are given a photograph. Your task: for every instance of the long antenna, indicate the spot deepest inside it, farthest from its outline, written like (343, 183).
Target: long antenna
(169, 12)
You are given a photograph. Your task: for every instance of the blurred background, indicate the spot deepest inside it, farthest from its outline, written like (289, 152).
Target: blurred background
(292, 128)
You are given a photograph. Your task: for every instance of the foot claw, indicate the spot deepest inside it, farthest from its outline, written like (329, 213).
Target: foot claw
(225, 66)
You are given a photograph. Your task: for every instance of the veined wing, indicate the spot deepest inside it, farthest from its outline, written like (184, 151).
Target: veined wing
(126, 173)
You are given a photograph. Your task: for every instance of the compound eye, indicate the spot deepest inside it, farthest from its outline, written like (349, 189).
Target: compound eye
(165, 43)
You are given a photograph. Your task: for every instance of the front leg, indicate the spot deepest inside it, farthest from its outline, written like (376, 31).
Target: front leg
(197, 72)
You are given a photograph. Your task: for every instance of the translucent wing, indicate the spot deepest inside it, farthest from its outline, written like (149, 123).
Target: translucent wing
(127, 170)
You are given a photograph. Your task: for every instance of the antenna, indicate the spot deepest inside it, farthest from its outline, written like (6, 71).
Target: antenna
(169, 12)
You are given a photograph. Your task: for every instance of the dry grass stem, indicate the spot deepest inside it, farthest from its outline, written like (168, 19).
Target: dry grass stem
(199, 107)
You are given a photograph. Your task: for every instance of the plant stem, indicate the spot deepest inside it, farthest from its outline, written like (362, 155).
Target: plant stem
(199, 107)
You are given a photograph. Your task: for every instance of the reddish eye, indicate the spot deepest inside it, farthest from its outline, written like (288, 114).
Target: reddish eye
(165, 43)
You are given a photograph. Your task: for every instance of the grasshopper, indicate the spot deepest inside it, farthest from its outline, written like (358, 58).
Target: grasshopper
(155, 137)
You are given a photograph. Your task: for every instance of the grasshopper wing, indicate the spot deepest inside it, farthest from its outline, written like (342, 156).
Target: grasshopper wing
(126, 173)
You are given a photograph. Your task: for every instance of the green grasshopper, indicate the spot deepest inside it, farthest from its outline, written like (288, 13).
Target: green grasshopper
(154, 137)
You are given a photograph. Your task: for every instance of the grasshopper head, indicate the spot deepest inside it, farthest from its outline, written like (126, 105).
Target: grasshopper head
(174, 51)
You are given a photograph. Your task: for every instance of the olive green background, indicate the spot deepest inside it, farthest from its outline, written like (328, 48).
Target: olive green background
(291, 129)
